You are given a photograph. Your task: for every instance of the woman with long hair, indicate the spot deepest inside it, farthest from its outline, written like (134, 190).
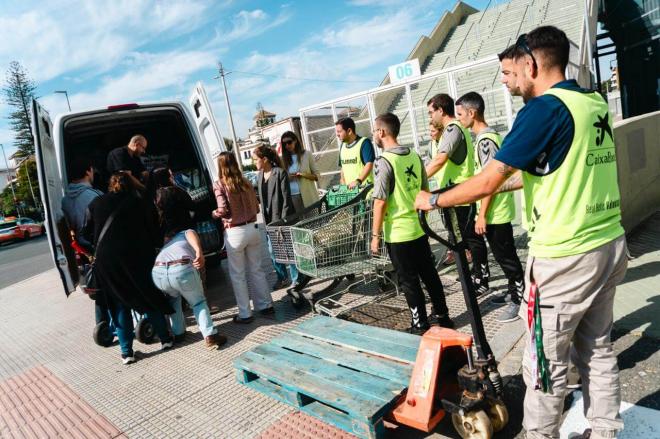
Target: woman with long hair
(276, 203)
(124, 258)
(302, 171)
(177, 270)
(238, 208)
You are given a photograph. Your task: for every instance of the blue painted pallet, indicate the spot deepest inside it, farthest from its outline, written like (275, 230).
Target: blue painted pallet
(346, 374)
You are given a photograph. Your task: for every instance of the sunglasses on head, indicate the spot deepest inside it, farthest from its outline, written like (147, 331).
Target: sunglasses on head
(521, 43)
(288, 142)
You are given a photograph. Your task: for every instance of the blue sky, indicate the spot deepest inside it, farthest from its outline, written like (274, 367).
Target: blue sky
(113, 52)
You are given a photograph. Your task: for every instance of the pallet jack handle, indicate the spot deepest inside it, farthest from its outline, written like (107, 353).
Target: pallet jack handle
(459, 247)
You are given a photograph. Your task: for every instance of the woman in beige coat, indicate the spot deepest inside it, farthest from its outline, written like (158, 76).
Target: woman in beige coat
(302, 171)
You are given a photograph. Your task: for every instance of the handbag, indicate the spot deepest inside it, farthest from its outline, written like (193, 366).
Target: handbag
(88, 280)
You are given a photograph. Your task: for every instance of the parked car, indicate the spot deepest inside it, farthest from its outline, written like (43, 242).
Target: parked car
(183, 137)
(20, 229)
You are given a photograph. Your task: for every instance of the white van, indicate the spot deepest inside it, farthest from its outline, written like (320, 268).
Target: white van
(186, 139)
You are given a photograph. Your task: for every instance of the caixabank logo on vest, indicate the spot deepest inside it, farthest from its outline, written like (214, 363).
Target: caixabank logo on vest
(411, 179)
(604, 151)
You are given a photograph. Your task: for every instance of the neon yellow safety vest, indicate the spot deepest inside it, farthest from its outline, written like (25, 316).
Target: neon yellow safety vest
(401, 223)
(454, 173)
(502, 208)
(351, 162)
(576, 208)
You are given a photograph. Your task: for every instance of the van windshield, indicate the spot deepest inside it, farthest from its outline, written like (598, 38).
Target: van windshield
(8, 225)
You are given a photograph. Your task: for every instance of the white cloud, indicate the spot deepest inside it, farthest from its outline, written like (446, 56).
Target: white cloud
(50, 41)
(249, 24)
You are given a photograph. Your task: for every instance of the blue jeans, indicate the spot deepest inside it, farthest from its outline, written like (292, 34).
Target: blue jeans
(184, 281)
(123, 321)
(281, 269)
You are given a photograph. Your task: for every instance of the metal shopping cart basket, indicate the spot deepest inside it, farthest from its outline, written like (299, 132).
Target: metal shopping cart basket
(279, 232)
(337, 244)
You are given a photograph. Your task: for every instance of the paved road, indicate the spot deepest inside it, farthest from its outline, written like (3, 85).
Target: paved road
(21, 260)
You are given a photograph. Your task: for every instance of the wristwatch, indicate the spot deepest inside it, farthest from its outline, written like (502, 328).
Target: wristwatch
(433, 201)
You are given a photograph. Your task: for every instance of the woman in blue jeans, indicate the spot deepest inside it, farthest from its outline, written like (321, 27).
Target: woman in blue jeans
(176, 272)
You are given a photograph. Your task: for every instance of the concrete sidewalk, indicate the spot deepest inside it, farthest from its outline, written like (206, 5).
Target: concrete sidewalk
(47, 350)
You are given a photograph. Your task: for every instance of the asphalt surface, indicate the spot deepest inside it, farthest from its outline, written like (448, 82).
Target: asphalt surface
(21, 260)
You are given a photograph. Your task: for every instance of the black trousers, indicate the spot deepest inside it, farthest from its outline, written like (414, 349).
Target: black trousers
(476, 243)
(413, 260)
(502, 244)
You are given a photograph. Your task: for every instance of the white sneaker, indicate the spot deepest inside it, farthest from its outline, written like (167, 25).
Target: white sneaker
(167, 345)
(128, 360)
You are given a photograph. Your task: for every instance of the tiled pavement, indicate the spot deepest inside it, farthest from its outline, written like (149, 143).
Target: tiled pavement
(185, 392)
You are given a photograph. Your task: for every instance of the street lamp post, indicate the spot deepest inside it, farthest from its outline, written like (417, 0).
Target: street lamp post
(67, 97)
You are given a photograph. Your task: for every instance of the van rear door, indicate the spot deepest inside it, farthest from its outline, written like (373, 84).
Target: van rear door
(212, 142)
(50, 185)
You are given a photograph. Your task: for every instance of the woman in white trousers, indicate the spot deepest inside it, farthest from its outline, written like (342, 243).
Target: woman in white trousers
(238, 208)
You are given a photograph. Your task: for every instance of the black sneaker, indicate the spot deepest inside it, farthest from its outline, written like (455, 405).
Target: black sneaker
(242, 320)
(500, 298)
(419, 330)
(301, 282)
(267, 311)
(442, 320)
(128, 359)
(281, 283)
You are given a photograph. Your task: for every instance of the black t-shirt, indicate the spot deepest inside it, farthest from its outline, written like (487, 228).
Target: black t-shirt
(120, 160)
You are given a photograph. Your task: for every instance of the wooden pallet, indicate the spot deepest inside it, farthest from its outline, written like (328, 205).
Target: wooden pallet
(346, 374)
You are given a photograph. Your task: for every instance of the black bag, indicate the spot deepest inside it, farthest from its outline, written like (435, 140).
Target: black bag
(88, 282)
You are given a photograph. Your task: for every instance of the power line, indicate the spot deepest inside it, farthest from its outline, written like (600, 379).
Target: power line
(300, 79)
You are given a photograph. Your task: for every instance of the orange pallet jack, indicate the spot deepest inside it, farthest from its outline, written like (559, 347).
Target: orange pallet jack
(446, 378)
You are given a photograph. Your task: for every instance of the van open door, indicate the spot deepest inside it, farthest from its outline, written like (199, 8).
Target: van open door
(213, 143)
(50, 185)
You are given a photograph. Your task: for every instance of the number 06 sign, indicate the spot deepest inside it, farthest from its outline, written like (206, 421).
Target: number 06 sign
(404, 71)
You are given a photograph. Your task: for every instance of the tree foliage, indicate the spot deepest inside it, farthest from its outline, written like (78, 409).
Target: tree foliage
(24, 200)
(18, 93)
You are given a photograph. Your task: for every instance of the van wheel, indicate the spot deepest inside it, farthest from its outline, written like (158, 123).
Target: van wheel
(144, 331)
(103, 336)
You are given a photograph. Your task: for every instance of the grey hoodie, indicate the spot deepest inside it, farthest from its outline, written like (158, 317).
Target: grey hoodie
(75, 202)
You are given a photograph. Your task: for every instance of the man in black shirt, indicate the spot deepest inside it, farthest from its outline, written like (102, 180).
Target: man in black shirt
(127, 159)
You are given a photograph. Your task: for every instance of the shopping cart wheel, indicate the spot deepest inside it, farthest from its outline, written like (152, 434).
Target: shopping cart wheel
(103, 336)
(144, 331)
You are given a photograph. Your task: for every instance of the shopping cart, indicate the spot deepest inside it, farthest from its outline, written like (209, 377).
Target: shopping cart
(279, 232)
(337, 244)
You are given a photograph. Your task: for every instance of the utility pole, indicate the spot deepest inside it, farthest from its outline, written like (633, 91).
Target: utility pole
(11, 183)
(237, 151)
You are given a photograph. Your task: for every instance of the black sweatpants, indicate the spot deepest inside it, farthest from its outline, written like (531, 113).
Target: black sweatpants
(413, 260)
(502, 244)
(476, 243)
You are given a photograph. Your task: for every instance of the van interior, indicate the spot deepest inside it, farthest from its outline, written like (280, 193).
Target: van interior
(170, 144)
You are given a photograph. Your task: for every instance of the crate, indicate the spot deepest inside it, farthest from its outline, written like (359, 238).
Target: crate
(279, 232)
(346, 374)
(340, 194)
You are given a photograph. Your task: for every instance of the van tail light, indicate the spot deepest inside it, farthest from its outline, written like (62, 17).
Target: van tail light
(122, 107)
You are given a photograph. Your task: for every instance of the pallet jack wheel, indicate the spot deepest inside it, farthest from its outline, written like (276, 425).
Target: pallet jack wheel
(103, 336)
(144, 331)
(473, 425)
(499, 415)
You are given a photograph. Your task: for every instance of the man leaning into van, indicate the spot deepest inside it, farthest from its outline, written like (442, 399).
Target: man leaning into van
(127, 159)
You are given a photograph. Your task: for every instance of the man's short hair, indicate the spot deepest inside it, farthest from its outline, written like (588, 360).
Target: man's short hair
(79, 167)
(390, 123)
(472, 101)
(508, 53)
(444, 101)
(346, 123)
(552, 43)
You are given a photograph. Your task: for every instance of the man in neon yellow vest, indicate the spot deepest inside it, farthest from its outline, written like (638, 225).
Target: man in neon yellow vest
(400, 176)
(495, 212)
(453, 163)
(356, 154)
(562, 141)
